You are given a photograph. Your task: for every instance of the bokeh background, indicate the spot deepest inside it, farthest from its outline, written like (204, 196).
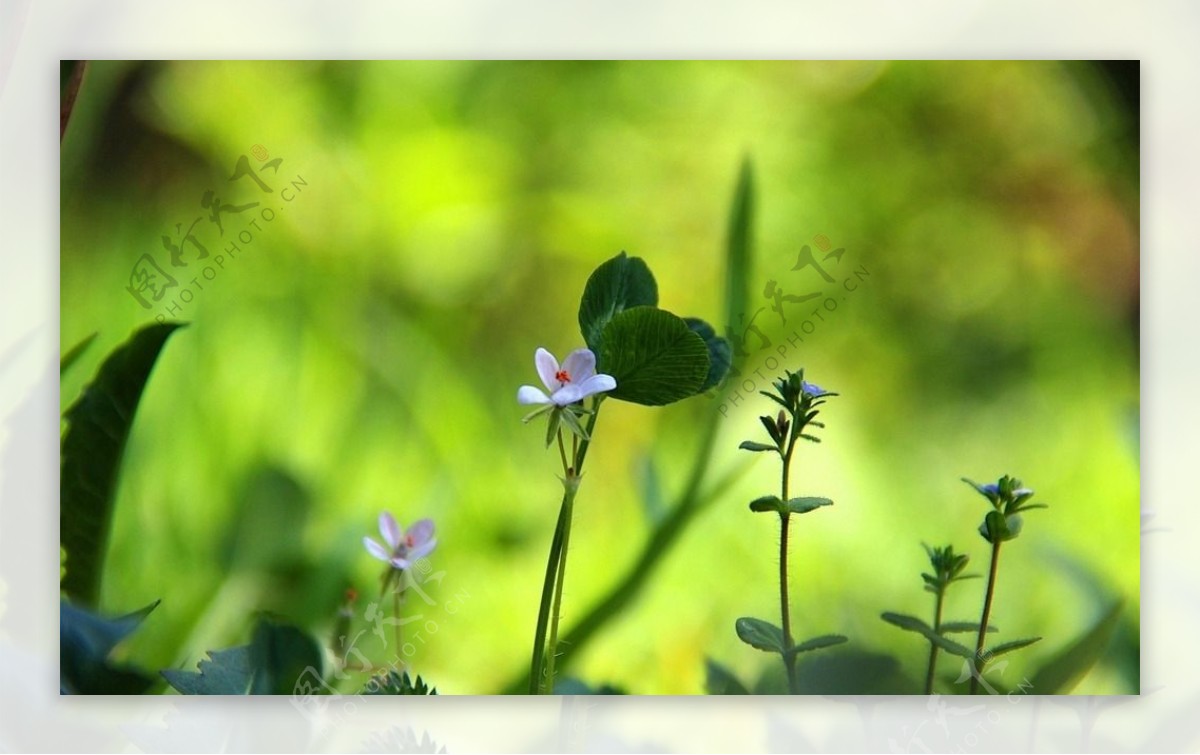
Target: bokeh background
(363, 352)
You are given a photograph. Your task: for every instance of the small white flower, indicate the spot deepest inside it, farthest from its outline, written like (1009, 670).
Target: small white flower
(404, 548)
(572, 381)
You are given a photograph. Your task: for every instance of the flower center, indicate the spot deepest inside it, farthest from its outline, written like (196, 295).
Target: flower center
(562, 376)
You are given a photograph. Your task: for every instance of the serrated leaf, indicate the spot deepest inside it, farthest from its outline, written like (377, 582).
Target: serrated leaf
(654, 357)
(85, 642)
(805, 504)
(816, 643)
(1008, 647)
(749, 445)
(767, 503)
(913, 624)
(904, 621)
(98, 426)
(618, 284)
(397, 683)
(1062, 672)
(760, 634)
(720, 353)
(224, 672)
(719, 680)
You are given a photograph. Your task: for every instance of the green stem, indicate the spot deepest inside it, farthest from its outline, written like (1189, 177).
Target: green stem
(399, 632)
(539, 680)
(933, 648)
(539, 640)
(556, 614)
(983, 621)
(789, 658)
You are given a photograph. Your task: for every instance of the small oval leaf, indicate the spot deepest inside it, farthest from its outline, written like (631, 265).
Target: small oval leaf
(760, 634)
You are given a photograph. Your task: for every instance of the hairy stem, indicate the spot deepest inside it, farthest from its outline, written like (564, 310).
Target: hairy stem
(556, 613)
(933, 648)
(983, 621)
(789, 658)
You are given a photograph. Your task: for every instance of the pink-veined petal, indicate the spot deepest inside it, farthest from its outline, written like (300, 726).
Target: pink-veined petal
(420, 532)
(580, 364)
(547, 368)
(389, 529)
(597, 384)
(377, 550)
(527, 394)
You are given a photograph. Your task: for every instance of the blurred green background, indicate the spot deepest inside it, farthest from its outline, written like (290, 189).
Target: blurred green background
(364, 350)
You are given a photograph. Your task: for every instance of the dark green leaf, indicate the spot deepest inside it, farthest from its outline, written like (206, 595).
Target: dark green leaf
(1008, 647)
(749, 445)
(85, 641)
(720, 353)
(1065, 670)
(719, 680)
(282, 657)
(805, 504)
(760, 634)
(224, 672)
(98, 426)
(816, 643)
(76, 351)
(654, 357)
(397, 683)
(767, 503)
(619, 284)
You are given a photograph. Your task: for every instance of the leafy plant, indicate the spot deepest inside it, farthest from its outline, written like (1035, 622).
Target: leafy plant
(799, 400)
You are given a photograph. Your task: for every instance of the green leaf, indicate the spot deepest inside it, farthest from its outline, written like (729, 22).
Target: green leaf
(749, 445)
(76, 351)
(281, 656)
(913, 624)
(951, 627)
(393, 683)
(805, 504)
(760, 634)
(816, 643)
(654, 357)
(619, 284)
(767, 503)
(552, 425)
(738, 246)
(1008, 647)
(1062, 672)
(718, 680)
(720, 353)
(85, 641)
(98, 427)
(224, 672)
(572, 422)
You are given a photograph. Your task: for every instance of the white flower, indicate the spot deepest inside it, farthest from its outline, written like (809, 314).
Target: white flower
(575, 379)
(404, 548)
